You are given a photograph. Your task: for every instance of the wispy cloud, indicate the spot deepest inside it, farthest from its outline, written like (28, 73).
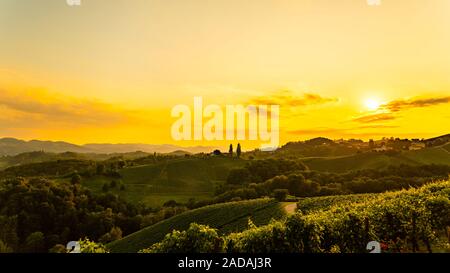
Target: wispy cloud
(378, 126)
(325, 130)
(390, 111)
(398, 105)
(316, 131)
(377, 117)
(47, 107)
(288, 98)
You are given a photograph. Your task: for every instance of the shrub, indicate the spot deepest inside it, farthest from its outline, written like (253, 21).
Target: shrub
(280, 194)
(92, 247)
(266, 239)
(303, 234)
(238, 177)
(197, 239)
(58, 248)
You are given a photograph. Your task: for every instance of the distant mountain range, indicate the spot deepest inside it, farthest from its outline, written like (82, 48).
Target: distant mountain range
(13, 146)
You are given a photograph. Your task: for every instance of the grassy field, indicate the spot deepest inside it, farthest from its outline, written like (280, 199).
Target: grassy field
(433, 155)
(373, 160)
(446, 147)
(178, 179)
(227, 218)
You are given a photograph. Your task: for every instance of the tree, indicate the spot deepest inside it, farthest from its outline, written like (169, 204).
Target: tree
(238, 150)
(100, 169)
(8, 231)
(76, 179)
(238, 177)
(230, 151)
(371, 144)
(217, 152)
(170, 203)
(280, 194)
(191, 203)
(121, 164)
(295, 183)
(278, 182)
(35, 242)
(58, 248)
(37, 213)
(4, 248)
(114, 234)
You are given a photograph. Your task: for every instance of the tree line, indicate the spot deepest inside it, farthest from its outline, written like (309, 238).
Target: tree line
(282, 177)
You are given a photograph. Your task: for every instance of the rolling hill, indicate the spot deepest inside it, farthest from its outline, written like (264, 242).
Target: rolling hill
(178, 179)
(152, 183)
(376, 160)
(41, 157)
(226, 217)
(12, 146)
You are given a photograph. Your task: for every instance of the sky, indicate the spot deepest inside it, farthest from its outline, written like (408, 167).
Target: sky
(112, 70)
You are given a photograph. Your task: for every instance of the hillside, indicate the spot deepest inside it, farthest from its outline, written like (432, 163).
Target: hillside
(376, 160)
(49, 169)
(148, 148)
(315, 204)
(414, 220)
(177, 179)
(41, 156)
(12, 146)
(320, 146)
(227, 218)
(446, 147)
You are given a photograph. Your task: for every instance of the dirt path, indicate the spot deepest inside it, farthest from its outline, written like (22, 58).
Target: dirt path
(290, 207)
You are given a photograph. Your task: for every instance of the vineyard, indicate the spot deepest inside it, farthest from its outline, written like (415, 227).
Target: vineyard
(314, 204)
(226, 218)
(415, 220)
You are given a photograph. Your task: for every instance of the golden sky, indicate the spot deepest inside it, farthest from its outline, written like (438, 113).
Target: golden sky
(110, 71)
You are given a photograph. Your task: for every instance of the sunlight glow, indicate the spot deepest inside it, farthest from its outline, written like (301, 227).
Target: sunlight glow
(372, 104)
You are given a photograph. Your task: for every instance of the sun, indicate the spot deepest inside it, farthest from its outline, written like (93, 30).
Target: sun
(372, 104)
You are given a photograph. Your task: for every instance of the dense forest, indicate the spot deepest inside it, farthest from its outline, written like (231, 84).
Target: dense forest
(38, 214)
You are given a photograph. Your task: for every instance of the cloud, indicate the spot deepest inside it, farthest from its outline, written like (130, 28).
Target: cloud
(380, 126)
(398, 105)
(288, 98)
(377, 117)
(340, 133)
(50, 108)
(316, 131)
(325, 130)
(390, 110)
